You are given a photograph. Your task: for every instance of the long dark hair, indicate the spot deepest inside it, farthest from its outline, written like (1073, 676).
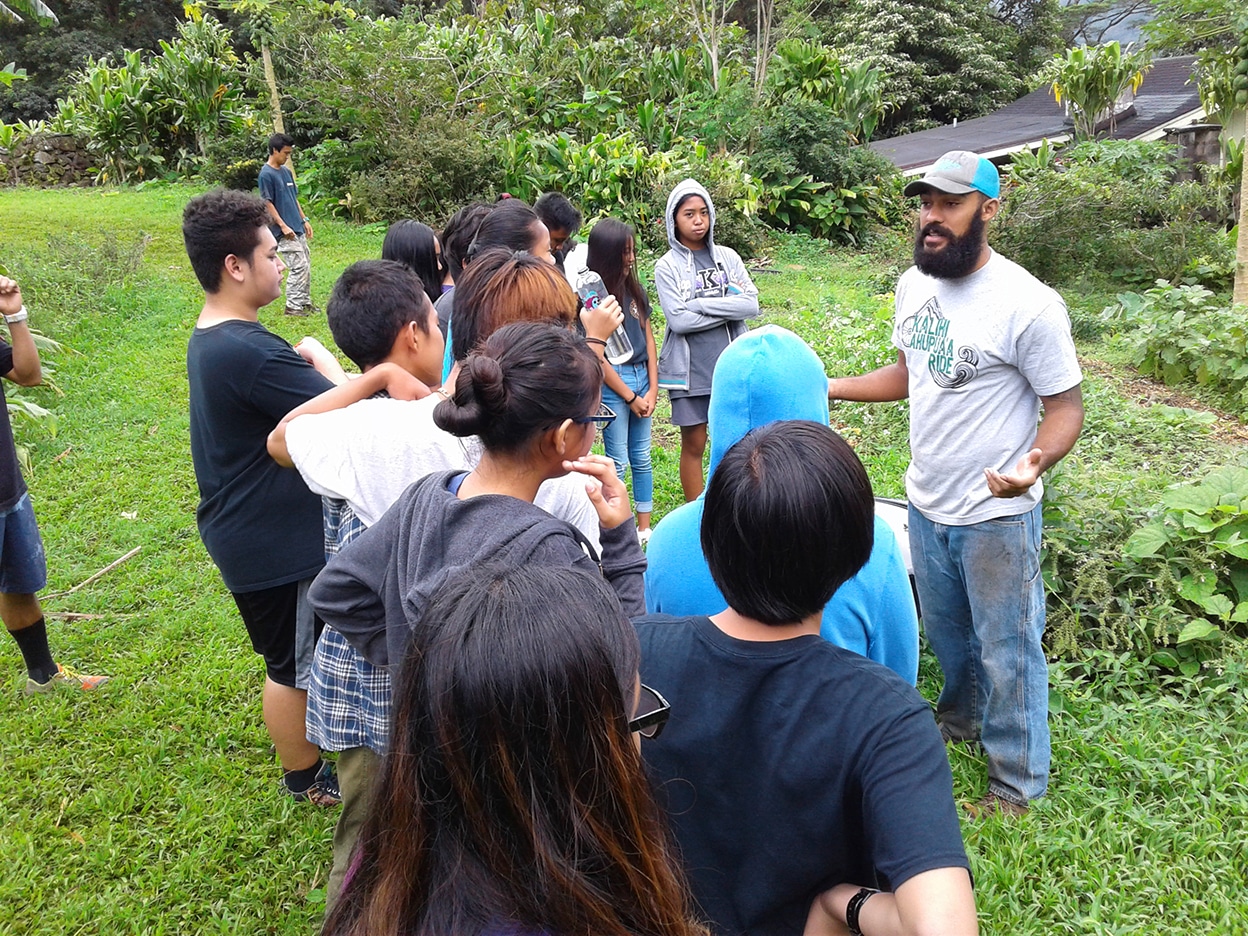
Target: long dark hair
(415, 246)
(509, 224)
(527, 377)
(458, 234)
(607, 243)
(513, 793)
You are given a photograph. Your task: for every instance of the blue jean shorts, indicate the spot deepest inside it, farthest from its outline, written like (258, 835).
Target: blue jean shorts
(23, 565)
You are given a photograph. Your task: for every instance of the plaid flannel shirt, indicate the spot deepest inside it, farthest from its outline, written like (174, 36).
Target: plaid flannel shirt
(349, 699)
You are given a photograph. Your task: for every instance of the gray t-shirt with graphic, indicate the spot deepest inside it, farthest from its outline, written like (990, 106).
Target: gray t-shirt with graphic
(981, 350)
(706, 346)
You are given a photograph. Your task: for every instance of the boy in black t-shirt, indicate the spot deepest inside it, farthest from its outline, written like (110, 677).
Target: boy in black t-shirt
(259, 521)
(23, 567)
(798, 776)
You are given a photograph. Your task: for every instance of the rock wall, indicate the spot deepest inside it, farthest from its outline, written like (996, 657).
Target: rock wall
(46, 160)
(1199, 146)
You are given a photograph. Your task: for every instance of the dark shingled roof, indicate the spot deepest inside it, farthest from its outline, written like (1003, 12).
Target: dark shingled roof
(1165, 96)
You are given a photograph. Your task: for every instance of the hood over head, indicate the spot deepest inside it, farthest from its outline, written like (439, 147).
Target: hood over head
(767, 374)
(688, 187)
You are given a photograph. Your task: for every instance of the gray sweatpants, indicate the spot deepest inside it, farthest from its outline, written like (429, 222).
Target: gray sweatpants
(294, 253)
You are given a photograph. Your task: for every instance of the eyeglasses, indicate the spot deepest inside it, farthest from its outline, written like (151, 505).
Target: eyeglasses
(604, 417)
(652, 713)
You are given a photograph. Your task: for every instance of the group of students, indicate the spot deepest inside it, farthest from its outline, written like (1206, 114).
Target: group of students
(470, 657)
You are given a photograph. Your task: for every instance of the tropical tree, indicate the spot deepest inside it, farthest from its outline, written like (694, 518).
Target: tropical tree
(11, 11)
(942, 59)
(1217, 31)
(813, 72)
(1092, 78)
(713, 26)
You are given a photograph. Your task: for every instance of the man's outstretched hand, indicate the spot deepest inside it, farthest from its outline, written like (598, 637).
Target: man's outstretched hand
(1020, 480)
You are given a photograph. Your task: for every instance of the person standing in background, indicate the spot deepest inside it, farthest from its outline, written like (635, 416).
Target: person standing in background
(290, 226)
(706, 295)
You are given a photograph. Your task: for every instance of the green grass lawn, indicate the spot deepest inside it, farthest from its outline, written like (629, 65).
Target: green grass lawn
(154, 807)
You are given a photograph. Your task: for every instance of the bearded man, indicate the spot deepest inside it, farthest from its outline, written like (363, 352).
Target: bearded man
(981, 346)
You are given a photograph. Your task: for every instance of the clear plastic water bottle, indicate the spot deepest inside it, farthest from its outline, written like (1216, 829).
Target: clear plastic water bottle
(592, 290)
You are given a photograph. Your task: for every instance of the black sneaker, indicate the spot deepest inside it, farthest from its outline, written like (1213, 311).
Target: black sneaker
(323, 791)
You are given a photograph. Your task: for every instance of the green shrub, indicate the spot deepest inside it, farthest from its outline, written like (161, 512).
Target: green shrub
(1164, 582)
(1178, 333)
(620, 176)
(327, 168)
(144, 117)
(1109, 209)
(429, 173)
(813, 180)
(853, 91)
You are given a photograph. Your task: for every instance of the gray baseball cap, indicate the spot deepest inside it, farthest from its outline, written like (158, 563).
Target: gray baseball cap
(958, 173)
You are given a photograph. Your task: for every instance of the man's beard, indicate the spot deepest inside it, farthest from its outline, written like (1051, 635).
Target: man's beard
(959, 255)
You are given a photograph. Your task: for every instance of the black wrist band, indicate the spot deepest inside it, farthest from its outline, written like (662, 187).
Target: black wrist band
(854, 907)
(595, 341)
(632, 401)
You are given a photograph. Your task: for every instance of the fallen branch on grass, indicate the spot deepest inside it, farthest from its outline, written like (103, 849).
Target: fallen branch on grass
(78, 616)
(87, 581)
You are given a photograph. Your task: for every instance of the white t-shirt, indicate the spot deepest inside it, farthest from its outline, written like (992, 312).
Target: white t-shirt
(370, 452)
(980, 350)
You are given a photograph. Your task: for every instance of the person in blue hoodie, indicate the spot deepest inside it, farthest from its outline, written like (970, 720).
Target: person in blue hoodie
(706, 296)
(768, 375)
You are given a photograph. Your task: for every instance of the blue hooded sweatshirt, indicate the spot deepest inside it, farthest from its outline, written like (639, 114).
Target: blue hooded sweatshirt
(763, 376)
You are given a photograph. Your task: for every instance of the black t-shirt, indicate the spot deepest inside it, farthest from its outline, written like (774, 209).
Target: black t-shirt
(789, 767)
(260, 523)
(12, 487)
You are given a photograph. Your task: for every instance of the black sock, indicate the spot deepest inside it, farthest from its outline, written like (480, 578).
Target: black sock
(33, 642)
(298, 781)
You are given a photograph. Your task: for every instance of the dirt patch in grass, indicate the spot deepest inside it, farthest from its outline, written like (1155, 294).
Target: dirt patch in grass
(1145, 391)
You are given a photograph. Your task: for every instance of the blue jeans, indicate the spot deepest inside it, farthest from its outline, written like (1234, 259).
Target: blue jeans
(982, 601)
(627, 439)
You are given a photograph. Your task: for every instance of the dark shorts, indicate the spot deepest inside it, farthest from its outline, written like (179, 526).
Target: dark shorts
(283, 629)
(690, 410)
(23, 565)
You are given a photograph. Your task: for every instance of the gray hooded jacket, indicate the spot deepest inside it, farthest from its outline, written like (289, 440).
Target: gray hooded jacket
(699, 326)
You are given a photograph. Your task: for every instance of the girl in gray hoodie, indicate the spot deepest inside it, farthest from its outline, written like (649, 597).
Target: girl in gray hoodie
(706, 295)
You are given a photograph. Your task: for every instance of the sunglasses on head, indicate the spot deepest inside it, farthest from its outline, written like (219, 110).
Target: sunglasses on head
(652, 713)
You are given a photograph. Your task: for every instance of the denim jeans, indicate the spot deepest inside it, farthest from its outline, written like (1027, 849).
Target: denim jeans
(627, 439)
(982, 601)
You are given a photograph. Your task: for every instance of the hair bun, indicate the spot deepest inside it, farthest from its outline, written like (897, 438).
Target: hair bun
(480, 398)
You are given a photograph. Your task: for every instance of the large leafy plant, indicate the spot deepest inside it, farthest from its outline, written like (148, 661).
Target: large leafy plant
(1091, 79)
(143, 115)
(854, 91)
(1178, 333)
(1201, 540)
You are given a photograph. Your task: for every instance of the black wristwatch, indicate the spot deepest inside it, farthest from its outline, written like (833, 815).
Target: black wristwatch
(854, 907)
